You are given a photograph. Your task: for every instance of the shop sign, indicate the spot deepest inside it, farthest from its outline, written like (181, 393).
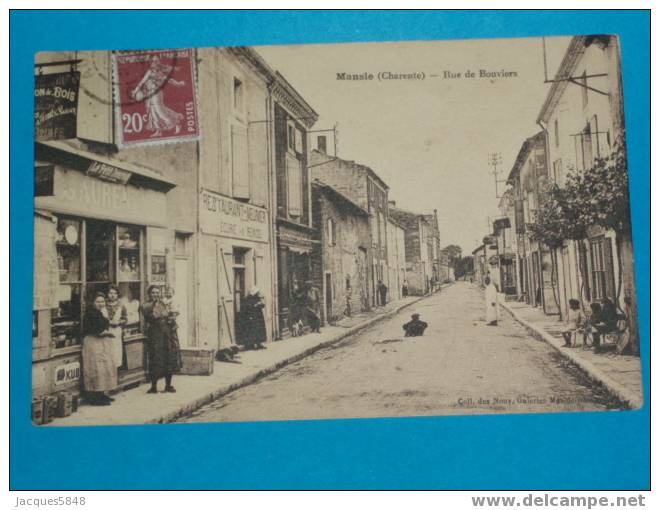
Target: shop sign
(155, 97)
(56, 105)
(108, 173)
(158, 269)
(82, 195)
(224, 216)
(67, 373)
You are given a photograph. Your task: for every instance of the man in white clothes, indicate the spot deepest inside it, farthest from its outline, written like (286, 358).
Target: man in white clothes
(492, 307)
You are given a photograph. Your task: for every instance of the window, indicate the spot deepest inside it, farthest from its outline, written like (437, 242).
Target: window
(294, 185)
(299, 141)
(239, 163)
(602, 268)
(92, 255)
(238, 95)
(291, 136)
(330, 232)
(556, 132)
(557, 171)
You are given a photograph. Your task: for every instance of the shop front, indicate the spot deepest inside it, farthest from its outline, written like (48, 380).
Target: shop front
(99, 223)
(295, 267)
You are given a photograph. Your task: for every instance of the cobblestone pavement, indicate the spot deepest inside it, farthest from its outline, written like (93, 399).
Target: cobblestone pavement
(461, 366)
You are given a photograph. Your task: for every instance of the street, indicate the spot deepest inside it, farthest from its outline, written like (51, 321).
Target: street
(460, 366)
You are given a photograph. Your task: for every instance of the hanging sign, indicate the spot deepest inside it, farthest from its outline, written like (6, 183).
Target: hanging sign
(56, 105)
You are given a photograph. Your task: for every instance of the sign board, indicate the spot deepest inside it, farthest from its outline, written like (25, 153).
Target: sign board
(158, 269)
(155, 97)
(224, 216)
(108, 173)
(67, 373)
(82, 195)
(56, 105)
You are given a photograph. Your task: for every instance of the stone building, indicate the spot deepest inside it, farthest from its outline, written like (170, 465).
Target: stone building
(363, 186)
(396, 259)
(421, 239)
(340, 258)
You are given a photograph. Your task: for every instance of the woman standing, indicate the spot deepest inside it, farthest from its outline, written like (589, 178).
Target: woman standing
(253, 324)
(118, 316)
(313, 306)
(163, 343)
(99, 370)
(491, 302)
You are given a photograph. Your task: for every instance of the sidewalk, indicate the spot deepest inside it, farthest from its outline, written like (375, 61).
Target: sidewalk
(135, 406)
(620, 374)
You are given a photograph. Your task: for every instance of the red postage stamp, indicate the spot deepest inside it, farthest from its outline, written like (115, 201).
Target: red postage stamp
(155, 97)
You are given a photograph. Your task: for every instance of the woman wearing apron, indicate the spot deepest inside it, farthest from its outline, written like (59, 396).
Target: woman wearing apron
(99, 370)
(117, 316)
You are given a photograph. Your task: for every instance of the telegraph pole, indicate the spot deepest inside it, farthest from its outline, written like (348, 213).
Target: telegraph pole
(495, 160)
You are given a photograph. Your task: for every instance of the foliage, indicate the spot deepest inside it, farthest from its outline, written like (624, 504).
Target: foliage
(452, 251)
(463, 266)
(597, 196)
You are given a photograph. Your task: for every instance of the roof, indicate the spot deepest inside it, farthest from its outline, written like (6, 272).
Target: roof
(339, 197)
(524, 151)
(140, 174)
(568, 64)
(480, 247)
(359, 166)
(283, 91)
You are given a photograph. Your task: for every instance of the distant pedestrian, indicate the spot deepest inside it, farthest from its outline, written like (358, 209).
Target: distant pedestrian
(492, 307)
(312, 300)
(415, 327)
(382, 293)
(162, 341)
(404, 288)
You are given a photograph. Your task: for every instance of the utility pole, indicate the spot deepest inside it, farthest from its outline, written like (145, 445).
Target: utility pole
(495, 160)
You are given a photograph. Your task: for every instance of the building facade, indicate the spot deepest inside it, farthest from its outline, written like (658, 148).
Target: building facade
(341, 255)
(363, 186)
(396, 260)
(296, 236)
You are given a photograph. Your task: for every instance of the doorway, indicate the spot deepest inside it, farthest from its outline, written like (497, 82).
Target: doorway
(328, 297)
(239, 290)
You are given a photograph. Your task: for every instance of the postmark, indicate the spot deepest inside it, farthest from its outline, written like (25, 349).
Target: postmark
(155, 97)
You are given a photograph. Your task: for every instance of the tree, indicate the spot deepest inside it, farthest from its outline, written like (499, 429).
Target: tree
(452, 251)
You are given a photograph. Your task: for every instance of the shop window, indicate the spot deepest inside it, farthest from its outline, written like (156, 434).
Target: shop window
(92, 255)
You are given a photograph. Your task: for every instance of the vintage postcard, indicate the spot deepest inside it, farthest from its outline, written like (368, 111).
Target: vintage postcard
(332, 231)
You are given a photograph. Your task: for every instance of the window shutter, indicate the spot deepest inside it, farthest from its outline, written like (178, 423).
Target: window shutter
(294, 185)
(239, 163)
(610, 284)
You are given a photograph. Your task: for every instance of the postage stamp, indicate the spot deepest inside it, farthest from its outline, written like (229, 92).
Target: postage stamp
(155, 97)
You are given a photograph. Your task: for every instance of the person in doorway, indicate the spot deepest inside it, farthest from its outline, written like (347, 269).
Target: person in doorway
(99, 368)
(312, 300)
(415, 327)
(162, 341)
(404, 288)
(253, 324)
(118, 316)
(382, 293)
(492, 306)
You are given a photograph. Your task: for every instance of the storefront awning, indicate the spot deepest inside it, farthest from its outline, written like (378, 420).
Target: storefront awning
(106, 167)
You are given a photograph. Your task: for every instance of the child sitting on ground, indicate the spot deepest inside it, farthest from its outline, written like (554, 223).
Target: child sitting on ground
(576, 322)
(415, 327)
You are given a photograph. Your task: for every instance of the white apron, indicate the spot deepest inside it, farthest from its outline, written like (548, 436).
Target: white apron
(492, 312)
(99, 371)
(117, 333)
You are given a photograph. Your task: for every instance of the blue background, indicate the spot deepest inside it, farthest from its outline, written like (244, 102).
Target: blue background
(552, 451)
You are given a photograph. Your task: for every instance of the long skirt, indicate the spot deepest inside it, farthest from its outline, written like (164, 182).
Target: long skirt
(99, 369)
(117, 346)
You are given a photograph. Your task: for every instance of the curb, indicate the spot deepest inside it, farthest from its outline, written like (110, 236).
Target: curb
(224, 390)
(626, 396)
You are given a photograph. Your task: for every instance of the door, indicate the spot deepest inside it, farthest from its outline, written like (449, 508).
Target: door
(239, 294)
(182, 300)
(328, 297)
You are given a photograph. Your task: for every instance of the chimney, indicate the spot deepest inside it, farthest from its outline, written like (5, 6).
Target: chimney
(322, 144)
